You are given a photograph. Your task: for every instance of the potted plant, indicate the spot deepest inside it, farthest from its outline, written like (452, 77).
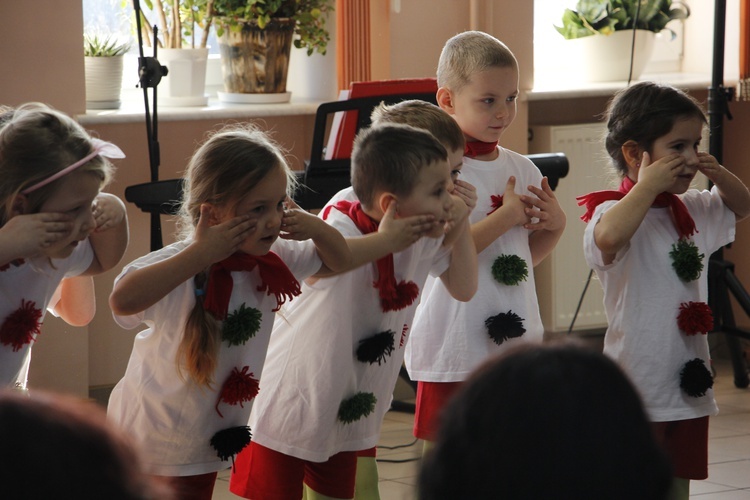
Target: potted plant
(604, 31)
(184, 55)
(103, 63)
(255, 40)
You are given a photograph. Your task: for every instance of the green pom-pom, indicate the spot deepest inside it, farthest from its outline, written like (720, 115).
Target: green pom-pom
(241, 325)
(510, 270)
(686, 260)
(358, 406)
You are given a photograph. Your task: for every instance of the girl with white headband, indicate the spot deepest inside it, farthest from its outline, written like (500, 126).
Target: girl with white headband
(55, 226)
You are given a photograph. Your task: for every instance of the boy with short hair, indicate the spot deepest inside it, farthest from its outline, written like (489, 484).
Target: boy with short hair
(513, 231)
(336, 350)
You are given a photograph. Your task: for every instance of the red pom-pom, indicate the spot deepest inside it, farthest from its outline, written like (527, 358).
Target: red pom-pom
(395, 299)
(21, 326)
(240, 387)
(695, 317)
(496, 202)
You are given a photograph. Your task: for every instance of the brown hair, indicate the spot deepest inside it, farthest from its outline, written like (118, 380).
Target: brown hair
(37, 141)
(389, 157)
(424, 115)
(468, 53)
(225, 167)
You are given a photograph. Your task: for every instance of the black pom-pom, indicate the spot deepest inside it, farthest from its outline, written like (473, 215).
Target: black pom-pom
(229, 442)
(358, 406)
(695, 378)
(504, 326)
(241, 325)
(510, 270)
(376, 347)
(686, 260)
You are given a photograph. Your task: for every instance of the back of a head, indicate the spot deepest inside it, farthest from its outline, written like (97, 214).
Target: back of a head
(643, 112)
(389, 158)
(53, 445)
(424, 115)
(551, 421)
(468, 53)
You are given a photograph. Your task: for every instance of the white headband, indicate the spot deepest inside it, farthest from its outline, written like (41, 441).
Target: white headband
(103, 148)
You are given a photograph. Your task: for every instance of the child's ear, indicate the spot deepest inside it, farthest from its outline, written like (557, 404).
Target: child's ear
(20, 205)
(632, 154)
(445, 100)
(214, 214)
(384, 201)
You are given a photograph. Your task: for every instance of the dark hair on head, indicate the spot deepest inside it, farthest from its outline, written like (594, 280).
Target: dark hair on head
(37, 141)
(422, 114)
(53, 445)
(389, 157)
(642, 113)
(557, 420)
(223, 169)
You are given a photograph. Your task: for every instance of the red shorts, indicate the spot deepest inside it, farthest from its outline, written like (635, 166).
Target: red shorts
(261, 473)
(686, 445)
(200, 487)
(369, 453)
(431, 398)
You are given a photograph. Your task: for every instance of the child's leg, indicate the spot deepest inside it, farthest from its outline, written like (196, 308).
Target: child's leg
(366, 485)
(431, 398)
(333, 479)
(680, 489)
(261, 473)
(200, 487)
(686, 444)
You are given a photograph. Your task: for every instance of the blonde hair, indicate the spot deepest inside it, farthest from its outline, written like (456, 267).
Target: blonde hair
(36, 142)
(468, 53)
(389, 157)
(424, 115)
(225, 167)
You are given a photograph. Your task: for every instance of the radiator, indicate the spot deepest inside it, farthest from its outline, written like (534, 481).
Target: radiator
(561, 277)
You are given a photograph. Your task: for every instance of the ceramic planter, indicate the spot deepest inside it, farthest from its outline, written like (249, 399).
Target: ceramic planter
(606, 58)
(185, 83)
(103, 82)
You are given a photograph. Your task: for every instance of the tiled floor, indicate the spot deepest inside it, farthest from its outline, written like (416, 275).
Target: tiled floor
(729, 450)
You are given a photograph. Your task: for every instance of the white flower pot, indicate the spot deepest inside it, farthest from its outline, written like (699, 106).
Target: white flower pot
(606, 58)
(185, 83)
(103, 82)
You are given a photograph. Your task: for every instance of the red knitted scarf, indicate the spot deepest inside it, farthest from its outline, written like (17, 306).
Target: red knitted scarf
(393, 296)
(683, 222)
(275, 277)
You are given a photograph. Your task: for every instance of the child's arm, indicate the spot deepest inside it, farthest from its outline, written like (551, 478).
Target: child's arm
(25, 236)
(732, 190)
(144, 287)
(618, 224)
(460, 279)
(551, 221)
(77, 304)
(511, 213)
(110, 238)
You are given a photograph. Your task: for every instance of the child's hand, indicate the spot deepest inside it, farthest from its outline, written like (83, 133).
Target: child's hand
(298, 224)
(660, 175)
(513, 208)
(404, 232)
(109, 211)
(544, 207)
(27, 235)
(219, 241)
(467, 192)
(459, 211)
(709, 166)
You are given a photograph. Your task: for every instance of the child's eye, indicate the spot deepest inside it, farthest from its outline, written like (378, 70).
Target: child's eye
(455, 174)
(512, 98)
(489, 100)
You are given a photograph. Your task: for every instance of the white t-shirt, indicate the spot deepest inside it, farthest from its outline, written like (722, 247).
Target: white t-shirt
(312, 367)
(449, 338)
(34, 281)
(171, 418)
(642, 296)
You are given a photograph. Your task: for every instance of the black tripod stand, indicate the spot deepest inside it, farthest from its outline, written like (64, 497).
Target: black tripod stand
(721, 278)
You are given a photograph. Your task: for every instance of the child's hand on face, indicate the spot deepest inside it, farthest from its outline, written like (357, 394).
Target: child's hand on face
(467, 192)
(297, 224)
(513, 206)
(459, 212)
(219, 241)
(27, 235)
(404, 231)
(543, 207)
(109, 211)
(709, 166)
(660, 175)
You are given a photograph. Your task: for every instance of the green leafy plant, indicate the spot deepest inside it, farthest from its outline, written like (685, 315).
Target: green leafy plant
(177, 22)
(309, 16)
(96, 45)
(604, 17)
